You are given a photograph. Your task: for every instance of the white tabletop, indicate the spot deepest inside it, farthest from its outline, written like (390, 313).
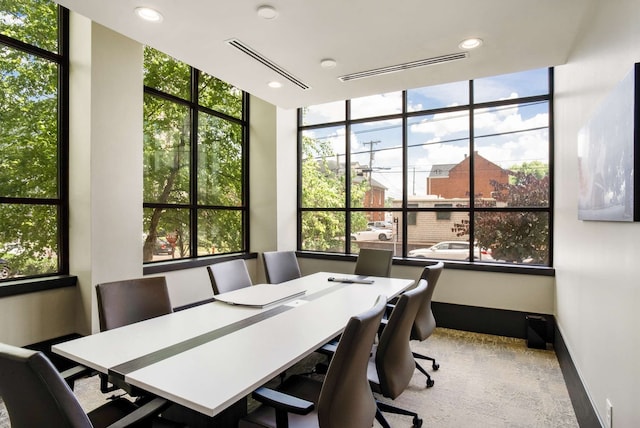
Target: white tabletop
(208, 357)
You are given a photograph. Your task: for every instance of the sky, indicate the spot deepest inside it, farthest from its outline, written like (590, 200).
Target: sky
(506, 135)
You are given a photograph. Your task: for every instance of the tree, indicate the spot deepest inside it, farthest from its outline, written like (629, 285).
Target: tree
(514, 236)
(168, 150)
(29, 139)
(323, 187)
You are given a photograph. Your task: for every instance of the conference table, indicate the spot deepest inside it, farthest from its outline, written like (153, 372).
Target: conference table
(208, 357)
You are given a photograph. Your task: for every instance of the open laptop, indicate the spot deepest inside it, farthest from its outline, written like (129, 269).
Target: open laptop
(260, 295)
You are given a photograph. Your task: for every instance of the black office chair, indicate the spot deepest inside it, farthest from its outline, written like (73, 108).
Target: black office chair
(392, 366)
(280, 266)
(125, 302)
(425, 322)
(35, 395)
(229, 276)
(374, 262)
(344, 399)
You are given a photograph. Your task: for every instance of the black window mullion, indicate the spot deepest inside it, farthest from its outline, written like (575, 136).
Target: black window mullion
(193, 170)
(472, 173)
(347, 177)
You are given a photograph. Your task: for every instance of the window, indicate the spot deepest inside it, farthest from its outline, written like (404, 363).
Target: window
(459, 163)
(33, 139)
(195, 171)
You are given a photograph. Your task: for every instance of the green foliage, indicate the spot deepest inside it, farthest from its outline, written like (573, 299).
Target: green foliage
(323, 186)
(29, 139)
(168, 157)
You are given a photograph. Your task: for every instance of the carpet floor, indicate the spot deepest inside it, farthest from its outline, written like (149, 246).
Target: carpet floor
(483, 381)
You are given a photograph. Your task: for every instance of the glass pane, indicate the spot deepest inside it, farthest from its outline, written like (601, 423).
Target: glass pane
(220, 167)
(166, 74)
(219, 231)
(323, 231)
(439, 96)
(439, 234)
(324, 113)
(28, 240)
(29, 126)
(323, 168)
(437, 156)
(376, 105)
(373, 229)
(219, 96)
(512, 155)
(34, 22)
(376, 163)
(166, 234)
(520, 237)
(515, 85)
(166, 151)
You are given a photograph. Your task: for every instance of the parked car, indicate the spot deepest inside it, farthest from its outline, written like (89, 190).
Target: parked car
(454, 250)
(5, 270)
(371, 234)
(161, 247)
(380, 224)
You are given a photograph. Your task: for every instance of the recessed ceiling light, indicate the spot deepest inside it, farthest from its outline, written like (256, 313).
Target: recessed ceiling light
(470, 43)
(148, 14)
(328, 63)
(275, 84)
(267, 12)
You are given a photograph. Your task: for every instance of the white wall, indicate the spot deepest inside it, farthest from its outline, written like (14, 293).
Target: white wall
(597, 269)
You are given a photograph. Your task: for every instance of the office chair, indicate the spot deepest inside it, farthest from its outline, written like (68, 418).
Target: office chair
(425, 322)
(344, 399)
(392, 366)
(229, 276)
(280, 266)
(35, 395)
(374, 262)
(125, 302)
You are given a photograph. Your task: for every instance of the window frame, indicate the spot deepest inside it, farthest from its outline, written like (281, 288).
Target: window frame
(193, 206)
(408, 209)
(38, 282)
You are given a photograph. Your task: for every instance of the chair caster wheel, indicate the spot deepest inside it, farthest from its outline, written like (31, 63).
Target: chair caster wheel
(430, 383)
(435, 366)
(417, 422)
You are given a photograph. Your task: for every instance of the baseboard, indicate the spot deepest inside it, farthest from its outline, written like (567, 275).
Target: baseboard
(475, 319)
(585, 413)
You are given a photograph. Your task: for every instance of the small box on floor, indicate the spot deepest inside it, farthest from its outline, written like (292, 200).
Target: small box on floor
(536, 332)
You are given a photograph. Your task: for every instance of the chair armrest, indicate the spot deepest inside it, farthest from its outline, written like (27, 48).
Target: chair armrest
(148, 410)
(74, 373)
(282, 401)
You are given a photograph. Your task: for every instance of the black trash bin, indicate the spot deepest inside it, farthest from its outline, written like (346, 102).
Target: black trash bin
(536, 332)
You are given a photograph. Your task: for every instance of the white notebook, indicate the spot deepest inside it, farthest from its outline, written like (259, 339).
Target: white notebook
(260, 295)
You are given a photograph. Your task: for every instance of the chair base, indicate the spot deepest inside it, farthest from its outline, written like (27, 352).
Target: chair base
(434, 365)
(383, 407)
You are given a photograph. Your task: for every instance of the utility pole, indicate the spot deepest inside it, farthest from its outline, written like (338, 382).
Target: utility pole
(371, 157)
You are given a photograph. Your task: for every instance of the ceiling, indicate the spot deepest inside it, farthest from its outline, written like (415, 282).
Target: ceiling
(360, 35)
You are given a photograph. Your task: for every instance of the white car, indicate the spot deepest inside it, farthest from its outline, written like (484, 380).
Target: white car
(454, 250)
(372, 234)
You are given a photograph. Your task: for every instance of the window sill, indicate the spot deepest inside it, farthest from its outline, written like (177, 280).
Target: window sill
(475, 266)
(160, 267)
(34, 285)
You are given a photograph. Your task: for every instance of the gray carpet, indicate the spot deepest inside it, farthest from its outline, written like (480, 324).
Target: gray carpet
(483, 381)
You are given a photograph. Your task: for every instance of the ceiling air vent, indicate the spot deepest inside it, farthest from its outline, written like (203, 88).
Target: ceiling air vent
(267, 62)
(406, 66)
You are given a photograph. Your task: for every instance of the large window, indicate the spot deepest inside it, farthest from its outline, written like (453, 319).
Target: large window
(33, 139)
(459, 171)
(195, 171)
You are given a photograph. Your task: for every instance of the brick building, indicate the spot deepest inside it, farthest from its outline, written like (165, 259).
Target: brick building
(452, 180)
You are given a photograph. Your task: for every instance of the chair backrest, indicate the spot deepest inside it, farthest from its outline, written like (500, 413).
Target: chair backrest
(346, 399)
(425, 322)
(34, 393)
(125, 302)
(229, 276)
(394, 360)
(374, 262)
(280, 266)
